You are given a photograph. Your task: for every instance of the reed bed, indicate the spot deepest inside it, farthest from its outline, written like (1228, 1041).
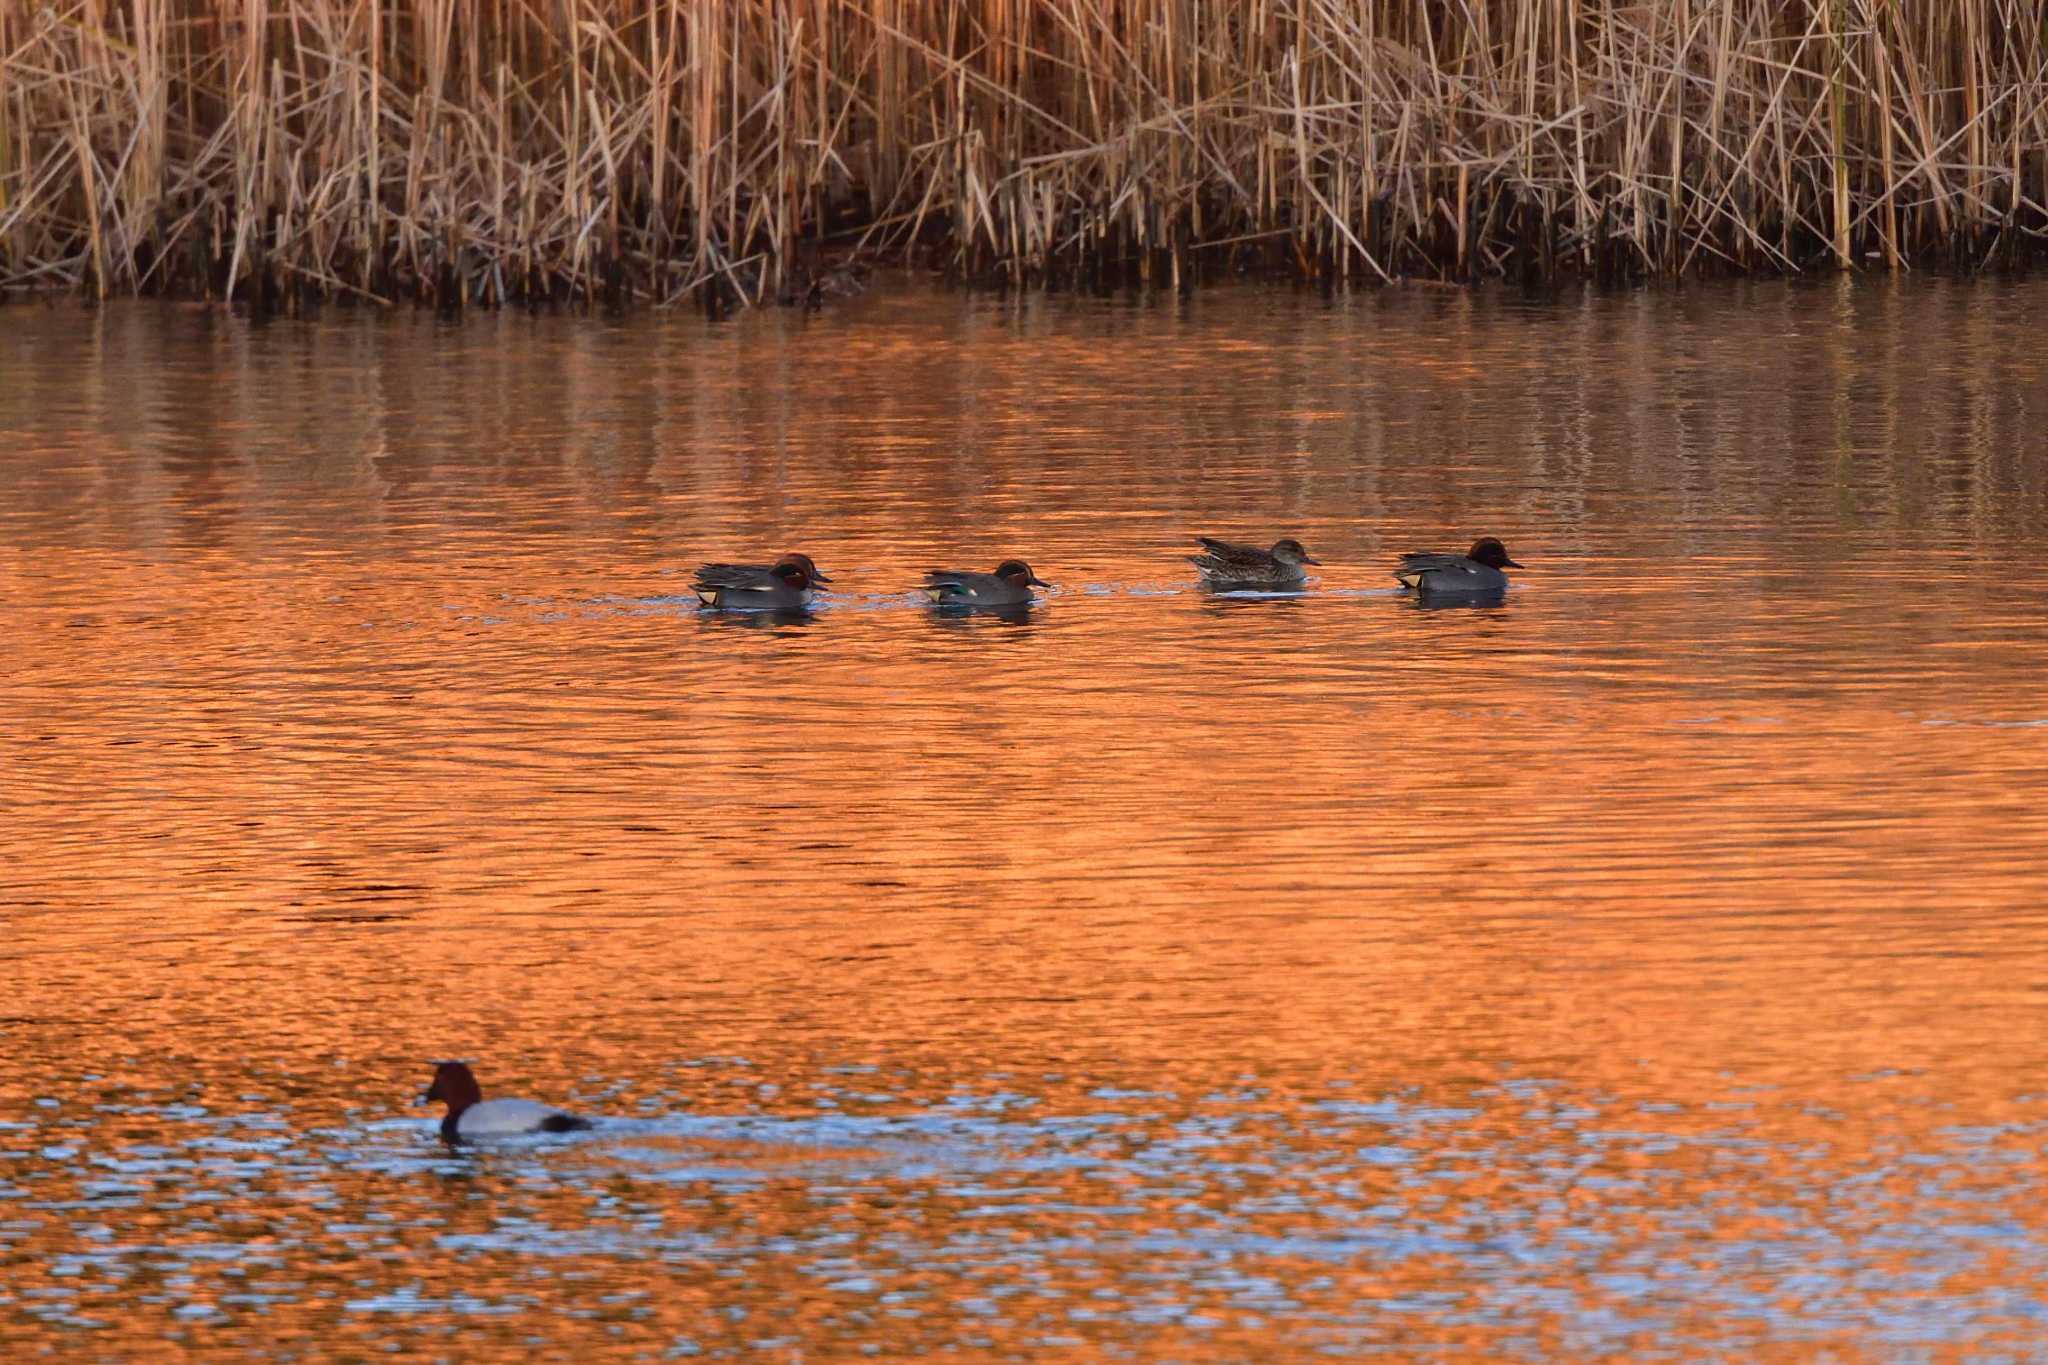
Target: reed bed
(480, 152)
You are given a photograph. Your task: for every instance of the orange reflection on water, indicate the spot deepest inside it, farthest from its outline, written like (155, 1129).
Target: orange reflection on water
(1645, 964)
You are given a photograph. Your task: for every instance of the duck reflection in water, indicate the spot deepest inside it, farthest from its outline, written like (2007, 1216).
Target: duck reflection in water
(759, 620)
(1440, 601)
(1223, 603)
(966, 617)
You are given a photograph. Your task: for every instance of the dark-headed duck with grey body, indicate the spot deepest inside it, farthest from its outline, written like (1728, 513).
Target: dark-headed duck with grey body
(1478, 570)
(1009, 586)
(470, 1115)
(784, 585)
(1247, 566)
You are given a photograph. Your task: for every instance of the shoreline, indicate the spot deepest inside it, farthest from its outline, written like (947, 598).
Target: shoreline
(895, 282)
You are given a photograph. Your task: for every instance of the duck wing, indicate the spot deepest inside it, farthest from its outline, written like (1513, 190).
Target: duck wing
(1424, 561)
(948, 584)
(1421, 568)
(1238, 558)
(1230, 563)
(735, 576)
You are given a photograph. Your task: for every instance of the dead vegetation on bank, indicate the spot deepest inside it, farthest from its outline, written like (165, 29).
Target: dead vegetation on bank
(483, 152)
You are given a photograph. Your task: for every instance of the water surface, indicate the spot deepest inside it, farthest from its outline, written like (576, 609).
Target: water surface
(1649, 965)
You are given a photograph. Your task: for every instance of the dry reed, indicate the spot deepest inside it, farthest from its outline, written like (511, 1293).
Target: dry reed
(483, 151)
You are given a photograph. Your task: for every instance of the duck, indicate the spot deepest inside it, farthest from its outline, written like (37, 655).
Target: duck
(1009, 586)
(784, 585)
(1246, 566)
(470, 1115)
(1477, 570)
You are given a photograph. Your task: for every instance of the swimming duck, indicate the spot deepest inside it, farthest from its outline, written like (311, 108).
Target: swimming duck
(1478, 570)
(471, 1115)
(1009, 586)
(781, 586)
(1247, 566)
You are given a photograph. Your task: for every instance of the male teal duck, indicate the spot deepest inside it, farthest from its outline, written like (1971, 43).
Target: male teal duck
(1009, 586)
(1478, 570)
(784, 585)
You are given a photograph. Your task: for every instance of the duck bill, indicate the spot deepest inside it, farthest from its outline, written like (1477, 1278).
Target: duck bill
(1509, 563)
(820, 576)
(1311, 559)
(1037, 582)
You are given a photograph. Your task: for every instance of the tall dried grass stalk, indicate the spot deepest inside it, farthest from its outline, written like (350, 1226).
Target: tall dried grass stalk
(490, 150)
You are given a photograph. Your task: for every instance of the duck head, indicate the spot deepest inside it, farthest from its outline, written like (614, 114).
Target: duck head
(797, 571)
(801, 562)
(1018, 572)
(1292, 551)
(1490, 552)
(454, 1086)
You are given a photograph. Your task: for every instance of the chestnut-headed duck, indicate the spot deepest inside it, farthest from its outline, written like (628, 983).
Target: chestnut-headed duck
(782, 586)
(1246, 566)
(1009, 586)
(1478, 570)
(470, 1115)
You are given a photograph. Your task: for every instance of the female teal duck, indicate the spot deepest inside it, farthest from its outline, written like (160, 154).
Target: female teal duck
(1247, 566)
